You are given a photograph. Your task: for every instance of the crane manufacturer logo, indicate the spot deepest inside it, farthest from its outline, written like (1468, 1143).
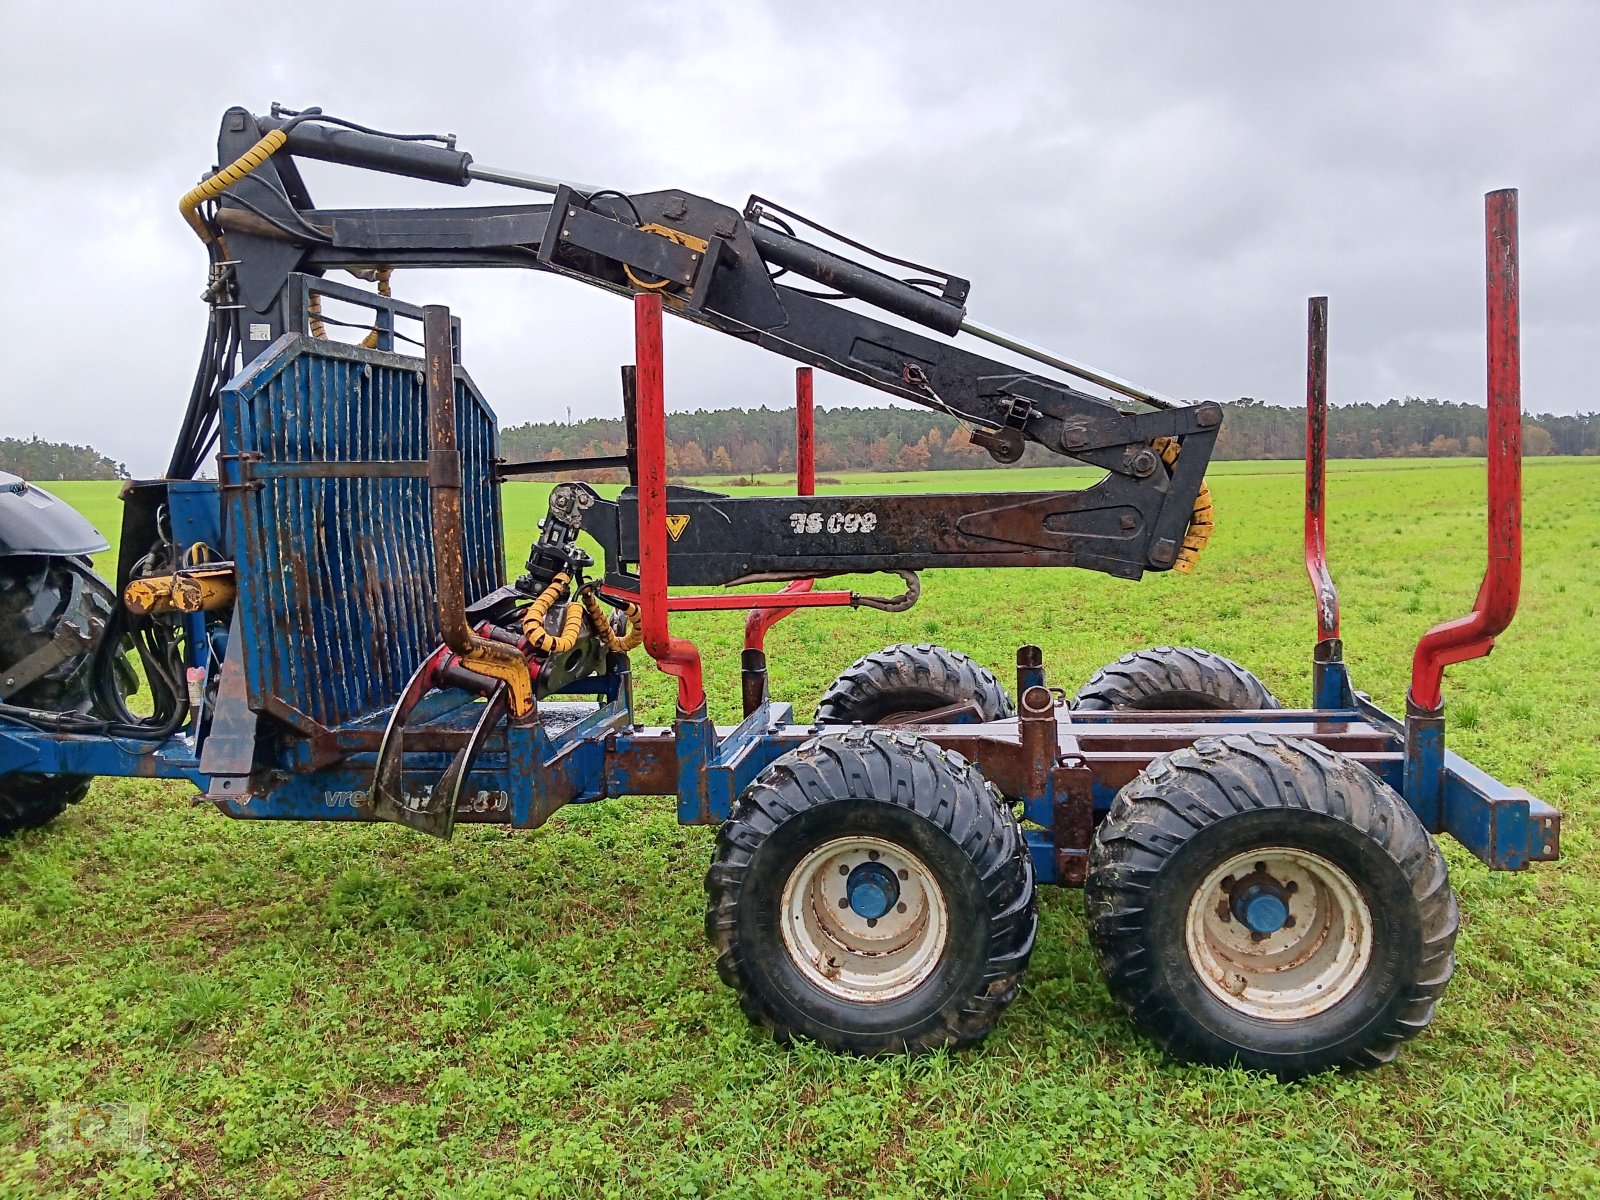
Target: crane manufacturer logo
(834, 523)
(676, 524)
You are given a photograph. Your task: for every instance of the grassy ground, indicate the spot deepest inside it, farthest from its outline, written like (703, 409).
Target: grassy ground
(333, 1012)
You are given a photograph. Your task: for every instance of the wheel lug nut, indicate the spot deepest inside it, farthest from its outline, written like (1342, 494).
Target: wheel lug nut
(1227, 881)
(1291, 886)
(873, 855)
(872, 922)
(1288, 922)
(844, 901)
(901, 907)
(844, 869)
(904, 874)
(1261, 868)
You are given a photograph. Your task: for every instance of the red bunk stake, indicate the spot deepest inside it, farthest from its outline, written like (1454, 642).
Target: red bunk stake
(1322, 586)
(673, 655)
(805, 471)
(1472, 636)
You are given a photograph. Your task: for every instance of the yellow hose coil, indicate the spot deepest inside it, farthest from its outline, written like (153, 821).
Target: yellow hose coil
(608, 635)
(370, 342)
(1201, 521)
(698, 245)
(533, 617)
(224, 179)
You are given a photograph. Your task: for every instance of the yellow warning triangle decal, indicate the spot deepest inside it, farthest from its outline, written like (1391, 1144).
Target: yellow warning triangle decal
(676, 524)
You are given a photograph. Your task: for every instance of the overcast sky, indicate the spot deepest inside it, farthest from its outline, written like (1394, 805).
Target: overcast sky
(1151, 188)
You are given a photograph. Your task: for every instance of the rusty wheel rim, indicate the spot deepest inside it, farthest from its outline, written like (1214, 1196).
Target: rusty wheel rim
(864, 919)
(1279, 933)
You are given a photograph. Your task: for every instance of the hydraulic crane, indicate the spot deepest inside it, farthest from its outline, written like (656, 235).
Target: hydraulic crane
(327, 633)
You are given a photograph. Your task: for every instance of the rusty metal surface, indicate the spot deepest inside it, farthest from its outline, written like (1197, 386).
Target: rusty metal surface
(1316, 540)
(1072, 820)
(336, 590)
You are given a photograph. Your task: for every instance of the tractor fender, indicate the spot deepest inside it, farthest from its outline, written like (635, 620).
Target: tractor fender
(32, 521)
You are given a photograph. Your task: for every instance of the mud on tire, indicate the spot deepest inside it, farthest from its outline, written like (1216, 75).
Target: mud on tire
(37, 595)
(1218, 959)
(1173, 677)
(940, 948)
(903, 679)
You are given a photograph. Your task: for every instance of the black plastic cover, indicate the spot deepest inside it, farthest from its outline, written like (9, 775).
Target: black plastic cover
(32, 521)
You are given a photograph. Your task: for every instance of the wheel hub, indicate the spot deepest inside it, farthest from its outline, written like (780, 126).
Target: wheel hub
(872, 889)
(1279, 933)
(864, 919)
(1260, 902)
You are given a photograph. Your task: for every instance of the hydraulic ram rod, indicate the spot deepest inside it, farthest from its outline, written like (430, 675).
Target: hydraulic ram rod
(1041, 355)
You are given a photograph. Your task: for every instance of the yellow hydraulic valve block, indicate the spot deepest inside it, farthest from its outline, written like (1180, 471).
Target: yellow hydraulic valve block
(202, 589)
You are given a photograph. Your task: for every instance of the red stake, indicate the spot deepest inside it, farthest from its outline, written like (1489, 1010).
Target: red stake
(805, 471)
(675, 656)
(1472, 636)
(1322, 587)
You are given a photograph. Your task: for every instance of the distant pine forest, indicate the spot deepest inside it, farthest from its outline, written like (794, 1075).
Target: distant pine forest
(34, 458)
(750, 442)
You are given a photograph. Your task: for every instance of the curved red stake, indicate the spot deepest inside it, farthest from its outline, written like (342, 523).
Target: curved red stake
(1472, 636)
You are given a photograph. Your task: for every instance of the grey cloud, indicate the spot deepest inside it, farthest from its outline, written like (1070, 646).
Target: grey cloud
(1153, 188)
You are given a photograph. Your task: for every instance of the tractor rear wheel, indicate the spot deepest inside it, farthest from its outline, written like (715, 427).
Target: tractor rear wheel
(1173, 677)
(902, 681)
(41, 597)
(1262, 901)
(871, 892)
(28, 801)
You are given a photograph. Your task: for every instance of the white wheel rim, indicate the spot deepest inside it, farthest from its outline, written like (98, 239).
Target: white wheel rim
(851, 932)
(1313, 958)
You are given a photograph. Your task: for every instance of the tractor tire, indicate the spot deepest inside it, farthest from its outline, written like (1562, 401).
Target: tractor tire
(1264, 902)
(901, 681)
(28, 801)
(872, 893)
(1173, 677)
(37, 594)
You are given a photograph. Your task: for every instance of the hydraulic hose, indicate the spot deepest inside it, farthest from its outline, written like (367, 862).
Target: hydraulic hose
(224, 179)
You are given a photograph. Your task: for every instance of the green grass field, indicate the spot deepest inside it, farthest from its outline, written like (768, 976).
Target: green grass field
(333, 1012)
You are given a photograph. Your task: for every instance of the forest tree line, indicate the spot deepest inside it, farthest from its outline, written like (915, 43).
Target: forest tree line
(748, 442)
(36, 459)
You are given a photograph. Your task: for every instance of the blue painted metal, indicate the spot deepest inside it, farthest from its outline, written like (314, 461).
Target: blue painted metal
(194, 513)
(334, 549)
(1260, 910)
(25, 749)
(1042, 849)
(1502, 825)
(1330, 685)
(872, 890)
(736, 759)
(695, 738)
(1422, 783)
